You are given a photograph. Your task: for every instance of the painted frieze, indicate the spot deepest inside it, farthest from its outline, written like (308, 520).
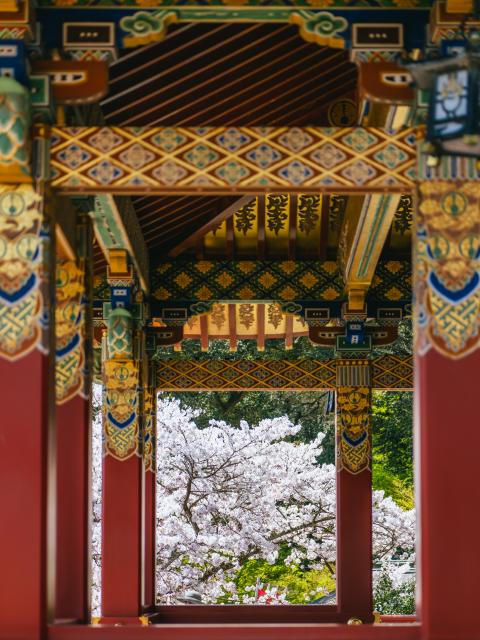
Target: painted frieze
(353, 428)
(69, 330)
(121, 409)
(447, 268)
(228, 159)
(149, 404)
(21, 300)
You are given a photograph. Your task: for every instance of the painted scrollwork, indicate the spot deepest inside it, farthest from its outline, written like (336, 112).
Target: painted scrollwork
(353, 429)
(69, 330)
(121, 400)
(447, 265)
(149, 454)
(21, 300)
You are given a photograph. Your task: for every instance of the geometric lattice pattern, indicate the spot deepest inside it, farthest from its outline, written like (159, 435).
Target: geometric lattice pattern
(225, 159)
(262, 280)
(389, 373)
(247, 280)
(392, 281)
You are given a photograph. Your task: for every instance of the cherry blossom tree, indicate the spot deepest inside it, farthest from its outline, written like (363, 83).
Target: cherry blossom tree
(226, 495)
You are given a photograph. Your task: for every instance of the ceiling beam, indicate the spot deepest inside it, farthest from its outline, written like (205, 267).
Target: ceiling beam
(228, 161)
(116, 227)
(365, 228)
(192, 240)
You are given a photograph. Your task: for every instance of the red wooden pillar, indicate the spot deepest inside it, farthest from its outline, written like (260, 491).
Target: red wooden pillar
(149, 458)
(447, 421)
(73, 510)
(27, 435)
(123, 473)
(354, 491)
(73, 417)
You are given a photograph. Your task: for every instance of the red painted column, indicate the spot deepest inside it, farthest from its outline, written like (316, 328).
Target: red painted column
(122, 545)
(448, 495)
(447, 421)
(73, 510)
(73, 417)
(149, 458)
(354, 492)
(27, 521)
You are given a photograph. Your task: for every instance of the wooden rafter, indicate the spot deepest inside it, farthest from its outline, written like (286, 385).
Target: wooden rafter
(195, 237)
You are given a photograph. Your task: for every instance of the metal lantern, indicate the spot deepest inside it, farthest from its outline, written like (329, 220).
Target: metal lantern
(453, 125)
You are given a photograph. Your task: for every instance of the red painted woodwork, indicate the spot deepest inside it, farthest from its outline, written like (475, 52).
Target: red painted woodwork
(446, 435)
(150, 528)
(73, 510)
(122, 544)
(354, 545)
(27, 486)
(240, 632)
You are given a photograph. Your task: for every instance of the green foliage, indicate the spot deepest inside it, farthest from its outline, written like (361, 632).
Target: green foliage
(390, 600)
(383, 479)
(392, 433)
(301, 587)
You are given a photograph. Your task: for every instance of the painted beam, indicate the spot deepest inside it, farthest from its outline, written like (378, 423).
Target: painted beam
(365, 228)
(389, 373)
(222, 161)
(117, 227)
(207, 281)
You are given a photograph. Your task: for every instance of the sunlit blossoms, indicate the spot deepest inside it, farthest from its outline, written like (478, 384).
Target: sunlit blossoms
(226, 495)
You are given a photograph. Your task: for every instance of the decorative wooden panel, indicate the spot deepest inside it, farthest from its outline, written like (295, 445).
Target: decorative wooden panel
(389, 373)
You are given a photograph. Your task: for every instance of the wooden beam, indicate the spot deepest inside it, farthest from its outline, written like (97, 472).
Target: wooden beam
(363, 234)
(131, 160)
(261, 227)
(292, 226)
(389, 373)
(288, 331)
(261, 327)
(116, 227)
(232, 326)
(193, 239)
(230, 237)
(204, 332)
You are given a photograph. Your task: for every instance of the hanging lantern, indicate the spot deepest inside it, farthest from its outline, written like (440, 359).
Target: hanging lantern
(453, 124)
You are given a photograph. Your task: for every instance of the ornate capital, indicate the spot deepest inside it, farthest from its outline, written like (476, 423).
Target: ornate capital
(447, 268)
(21, 300)
(121, 405)
(354, 429)
(69, 330)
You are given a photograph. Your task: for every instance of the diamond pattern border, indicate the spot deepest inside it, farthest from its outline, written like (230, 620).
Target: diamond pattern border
(389, 373)
(221, 160)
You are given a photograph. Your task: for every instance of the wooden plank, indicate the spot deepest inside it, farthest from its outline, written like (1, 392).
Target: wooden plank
(261, 246)
(288, 331)
(292, 226)
(218, 219)
(230, 239)
(232, 326)
(261, 327)
(204, 332)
